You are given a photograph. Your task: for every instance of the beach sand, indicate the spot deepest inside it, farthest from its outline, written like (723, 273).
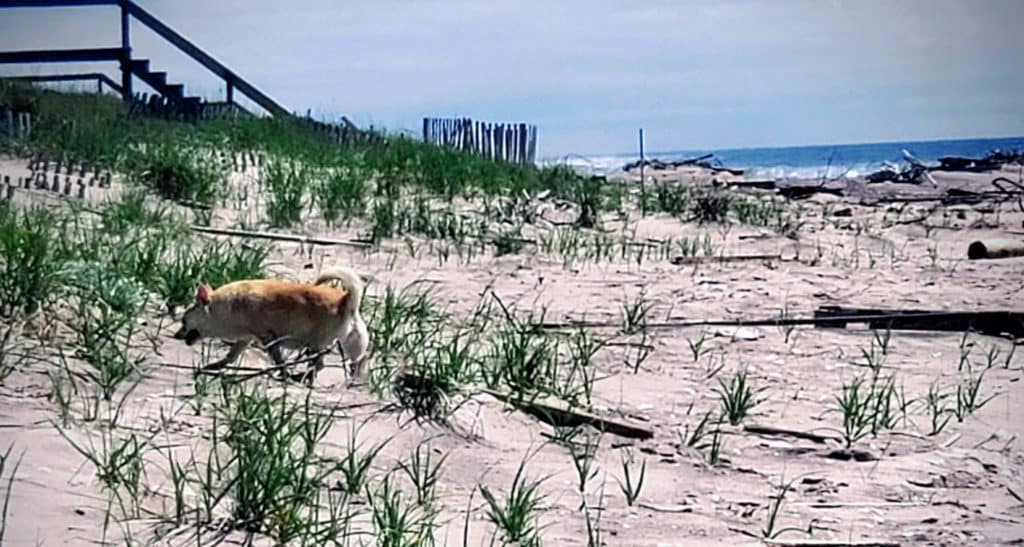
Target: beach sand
(953, 488)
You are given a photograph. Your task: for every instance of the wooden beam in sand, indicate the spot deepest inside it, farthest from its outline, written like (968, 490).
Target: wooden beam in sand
(281, 237)
(992, 323)
(995, 248)
(831, 543)
(686, 260)
(559, 413)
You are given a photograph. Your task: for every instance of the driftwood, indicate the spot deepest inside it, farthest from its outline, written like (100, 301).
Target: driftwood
(995, 248)
(280, 237)
(659, 165)
(991, 161)
(788, 191)
(974, 165)
(765, 184)
(1006, 190)
(717, 169)
(660, 508)
(707, 161)
(552, 410)
(776, 432)
(559, 413)
(801, 192)
(913, 172)
(992, 323)
(686, 260)
(831, 543)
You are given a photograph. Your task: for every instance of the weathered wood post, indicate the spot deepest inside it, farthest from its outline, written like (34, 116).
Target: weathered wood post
(486, 130)
(522, 143)
(514, 158)
(479, 138)
(499, 142)
(126, 53)
(533, 144)
(229, 90)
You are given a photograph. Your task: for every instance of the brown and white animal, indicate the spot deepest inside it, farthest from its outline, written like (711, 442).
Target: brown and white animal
(282, 314)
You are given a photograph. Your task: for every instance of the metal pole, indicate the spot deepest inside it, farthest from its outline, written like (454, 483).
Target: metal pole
(643, 187)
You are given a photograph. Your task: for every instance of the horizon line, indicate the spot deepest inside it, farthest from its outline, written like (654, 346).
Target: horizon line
(651, 154)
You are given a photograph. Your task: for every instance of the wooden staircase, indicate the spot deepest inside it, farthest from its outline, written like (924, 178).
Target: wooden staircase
(173, 93)
(170, 93)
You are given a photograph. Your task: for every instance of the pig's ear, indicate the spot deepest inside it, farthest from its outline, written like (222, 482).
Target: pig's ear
(203, 295)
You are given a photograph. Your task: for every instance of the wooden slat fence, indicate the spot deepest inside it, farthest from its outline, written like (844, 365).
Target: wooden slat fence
(345, 133)
(14, 125)
(158, 106)
(511, 142)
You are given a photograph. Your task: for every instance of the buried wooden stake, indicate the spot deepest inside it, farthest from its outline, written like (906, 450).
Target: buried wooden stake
(830, 543)
(559, 413)
(995, 248)
(550, 410)
(992, 323)
(281, 237)
(685, 260)
(768, 430)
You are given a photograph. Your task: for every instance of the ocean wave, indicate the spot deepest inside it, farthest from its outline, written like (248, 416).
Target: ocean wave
(806, 162)
(602, 165)
(813, 172)
(597, 165)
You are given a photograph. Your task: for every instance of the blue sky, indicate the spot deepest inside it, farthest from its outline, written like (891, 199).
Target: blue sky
(699, 74)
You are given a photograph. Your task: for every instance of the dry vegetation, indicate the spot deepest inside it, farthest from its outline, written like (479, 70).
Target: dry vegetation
(493, 286)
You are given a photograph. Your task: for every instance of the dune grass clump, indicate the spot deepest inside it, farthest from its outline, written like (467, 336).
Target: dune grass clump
(516, 516)
(343, 191)
(29, 260)
(521, 358)
(435, 375)
(736, 397)
(287, 186)
(131, 211)
(178, 173)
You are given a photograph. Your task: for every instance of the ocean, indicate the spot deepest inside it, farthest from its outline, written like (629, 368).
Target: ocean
(836, 160)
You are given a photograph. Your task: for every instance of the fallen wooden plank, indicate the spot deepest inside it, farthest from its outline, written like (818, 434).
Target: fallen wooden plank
(685, 260)
(280, 237)
(996, 323)
(802, 192)
(856, 504)
(993, 323)
(995, 248)
(551, 410)
(765, 184)
(674, 508)
(558, 413)
(777, 431)
(831, 543)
